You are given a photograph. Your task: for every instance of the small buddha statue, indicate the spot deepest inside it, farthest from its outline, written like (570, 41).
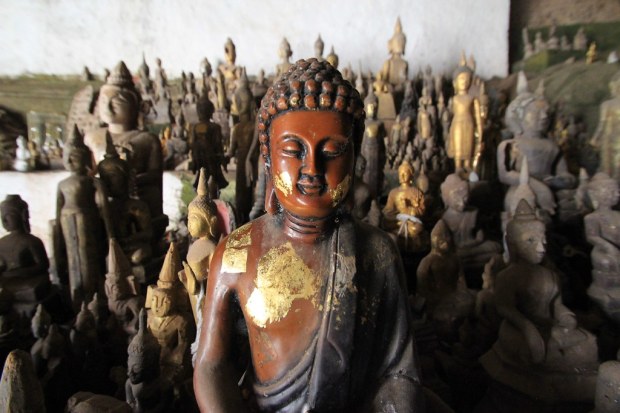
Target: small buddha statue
(83, 336)
(278, 274)
(229, 69)
(466, 126)
(20, 389)
(132, 218)
(404, 210)
(580, 41)
(22, 161)
(318, 48)
(373, 146)
(39, 326)
(541, 351)
(395, 70)
(145, 389)
(565, 45)
(591, 54)
(605, 136)
(176, 145)
(119, 103)
(528, 49)
(441, 282)
(161, 79)
(203, 226)
(205, 140)
(332, 58)
(23, 261)
(539, 44)
(124, 302)
(471, 246)
(82, 210)
(170, 320)
(284, 53)
(553, 42)
(362, 196)
(145, 82)
(242, 135)
(527, 119)
(259, 88)
(602, 228)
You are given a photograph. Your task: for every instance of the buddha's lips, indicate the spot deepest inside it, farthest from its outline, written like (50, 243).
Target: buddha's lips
(310, 186)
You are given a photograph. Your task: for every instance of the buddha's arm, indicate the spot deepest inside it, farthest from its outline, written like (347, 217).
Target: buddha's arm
(101, 199)
(506, 175)
(479, 125)
(593, 235)
(562, 178)
(153, 174)
(249, 160)
(215, 385)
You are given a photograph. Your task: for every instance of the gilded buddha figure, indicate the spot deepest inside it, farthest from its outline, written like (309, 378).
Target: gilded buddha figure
(316, 340)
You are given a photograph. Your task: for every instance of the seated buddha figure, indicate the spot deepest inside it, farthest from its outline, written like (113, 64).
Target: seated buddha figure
(541, 351)
(527, 119)
(471, 246)
(395, 70)
(119, 104)
(23, 260)
(404, 210)
(314, 287)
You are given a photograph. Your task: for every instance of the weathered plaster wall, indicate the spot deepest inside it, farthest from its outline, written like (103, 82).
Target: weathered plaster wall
(61, 36)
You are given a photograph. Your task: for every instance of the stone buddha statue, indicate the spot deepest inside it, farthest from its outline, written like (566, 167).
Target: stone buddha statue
(119, 103)
(131, 225)
(146, 389)
(466, 126)
(605, 136)
(81, 212)
(527, 119)
(404, 210)
(284, 53)
(23, 261)
(602, 228)
(541, 352)
(318, 49)
(395, 70)
(229, 69)
(373, 146)
(297, 277)
(471, 246)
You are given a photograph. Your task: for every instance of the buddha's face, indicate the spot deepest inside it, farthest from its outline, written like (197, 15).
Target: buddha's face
(462, 82)
(311, 161)
(135, 370)
(530, 241)
(76, 161)
(162, 303)
(12, 221)
(231, 54)
(535, 119)
(440, 243)
(116, 107)
(116, 182)
(198, 224)
(405, 175)
(371, 110)
(605, 195)
(457, 197)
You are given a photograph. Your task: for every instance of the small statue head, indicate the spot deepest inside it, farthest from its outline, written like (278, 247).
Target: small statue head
(54, 344)
(85, 320)
(310, 126)
(455, 192)
(117, 286)
(332, 58)
(396, 45)
(614, 85)
(461, 78)
(603, 191)
(285, 52)
(162, 301)
(242, 100)
(205, 68)
(318, 47)
(119, 100)
(525, 235)
(231, 51)
(405, 174)
(202, 219)
(205, 109)
(143, 354)
(371, 104)
(441, 238)
(76, 155)
(14, 212)
(40, 323)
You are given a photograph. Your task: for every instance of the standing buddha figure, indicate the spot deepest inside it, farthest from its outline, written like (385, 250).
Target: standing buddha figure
(373, 146)
(285, 53)
(395, 70)
(229, 69)
(606, 135)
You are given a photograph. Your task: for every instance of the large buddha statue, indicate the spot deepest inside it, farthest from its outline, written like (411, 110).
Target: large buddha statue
(119, 103)
(322, 295)
(395, 70)
(541, 351)
(527, 119)
(23, 261)
(602, 228)
(606, 135)
(404, 211)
